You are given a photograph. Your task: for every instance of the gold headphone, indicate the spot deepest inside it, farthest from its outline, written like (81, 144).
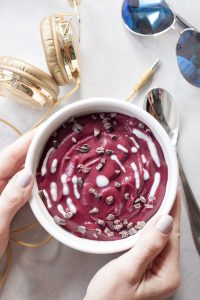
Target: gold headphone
(29, 85)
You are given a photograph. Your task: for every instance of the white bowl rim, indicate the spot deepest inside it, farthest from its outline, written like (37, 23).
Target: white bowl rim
(84, 107)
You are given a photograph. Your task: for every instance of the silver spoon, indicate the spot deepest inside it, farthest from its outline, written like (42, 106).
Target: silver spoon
(161, 105)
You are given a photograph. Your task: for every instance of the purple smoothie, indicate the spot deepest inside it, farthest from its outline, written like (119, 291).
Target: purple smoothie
(102, 176)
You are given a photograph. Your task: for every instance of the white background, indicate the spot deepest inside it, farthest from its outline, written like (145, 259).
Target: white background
(112, 61)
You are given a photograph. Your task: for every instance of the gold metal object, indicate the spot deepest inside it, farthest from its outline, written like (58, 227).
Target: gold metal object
(24, 90)
(74, 2)
(145, 78)
(53, 106)
(7, 123)
(68, 45)
(6, 269)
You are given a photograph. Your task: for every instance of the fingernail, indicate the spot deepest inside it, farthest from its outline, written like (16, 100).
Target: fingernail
(24, 178)
(165, 224)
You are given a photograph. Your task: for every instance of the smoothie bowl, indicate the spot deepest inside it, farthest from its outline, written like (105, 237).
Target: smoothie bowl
(103, 168)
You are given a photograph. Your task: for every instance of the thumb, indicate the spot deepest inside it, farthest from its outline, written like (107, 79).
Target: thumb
(151, 242)
(13, 197)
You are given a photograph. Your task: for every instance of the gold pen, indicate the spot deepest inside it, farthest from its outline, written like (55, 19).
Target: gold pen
(145, 78)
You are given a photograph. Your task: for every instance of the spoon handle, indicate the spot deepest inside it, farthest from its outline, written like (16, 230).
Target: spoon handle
(193, 208)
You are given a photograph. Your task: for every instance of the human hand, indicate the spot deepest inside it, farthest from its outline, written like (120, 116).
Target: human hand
(149, 271)
(15, 185)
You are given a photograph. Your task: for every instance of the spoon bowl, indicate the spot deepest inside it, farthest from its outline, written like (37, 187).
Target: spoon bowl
(161, 105)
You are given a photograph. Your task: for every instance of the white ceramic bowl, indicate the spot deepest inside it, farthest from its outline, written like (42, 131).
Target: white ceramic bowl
(84, 107)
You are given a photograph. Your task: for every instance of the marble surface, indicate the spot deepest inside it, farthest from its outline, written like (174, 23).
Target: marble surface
(112, 61)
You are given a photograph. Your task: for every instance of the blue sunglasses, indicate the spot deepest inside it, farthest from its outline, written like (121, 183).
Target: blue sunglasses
(153, 17)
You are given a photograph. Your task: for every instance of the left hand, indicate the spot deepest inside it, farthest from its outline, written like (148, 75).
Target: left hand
(15, 185)
(149, 271)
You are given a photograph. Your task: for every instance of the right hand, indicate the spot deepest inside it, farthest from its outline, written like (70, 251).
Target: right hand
(149, 271)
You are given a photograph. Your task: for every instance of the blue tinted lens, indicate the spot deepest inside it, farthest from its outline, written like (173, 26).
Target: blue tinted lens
(147, 17)
(188, 56)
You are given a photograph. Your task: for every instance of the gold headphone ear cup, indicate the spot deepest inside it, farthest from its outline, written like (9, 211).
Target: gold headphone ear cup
(26, 83)
(52, 50)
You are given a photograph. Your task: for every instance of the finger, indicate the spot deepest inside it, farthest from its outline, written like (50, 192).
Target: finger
(176, 213)
(166, 264)
(151, 242)
(14, 196)
(12, 157)
(169, 258)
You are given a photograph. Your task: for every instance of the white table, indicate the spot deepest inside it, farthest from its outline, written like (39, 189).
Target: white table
(112, 61)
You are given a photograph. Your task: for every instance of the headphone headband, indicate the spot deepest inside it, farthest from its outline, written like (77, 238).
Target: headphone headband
(68, 45)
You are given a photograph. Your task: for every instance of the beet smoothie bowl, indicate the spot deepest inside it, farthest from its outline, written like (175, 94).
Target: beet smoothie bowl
(103, 167)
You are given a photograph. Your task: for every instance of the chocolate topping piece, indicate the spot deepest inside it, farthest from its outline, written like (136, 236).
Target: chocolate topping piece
(130, 225)
(117, 184)
(106, 120)
(127, 196)
(125, 222)
(68, 215)
(95, 210)
(94, 117)
(80, 182)
(117, 172)
(140, 125)
(84, 148)
(149, 206)
(102, 115)
(101, 164)
(95, 235)
(143, 199)
(96, 132)
(59, 221)
(137, 205)
(83, 168)
(108, 232)
(81, 229)
(110, 200)
(107, 126)
(116, 222)
(124, 233)
(77, 127)
(101, 222)
(74, 140)
(100, 150)
(109, 152)
(110, 217)
(55, 144)
(54, 134)
(113, 114)
(95, 193)
(137, 200)
(132, 231)
(114, 137)
(118, 227)
(140, 225)
(103, 160)
(98, 231)
(99, 167)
